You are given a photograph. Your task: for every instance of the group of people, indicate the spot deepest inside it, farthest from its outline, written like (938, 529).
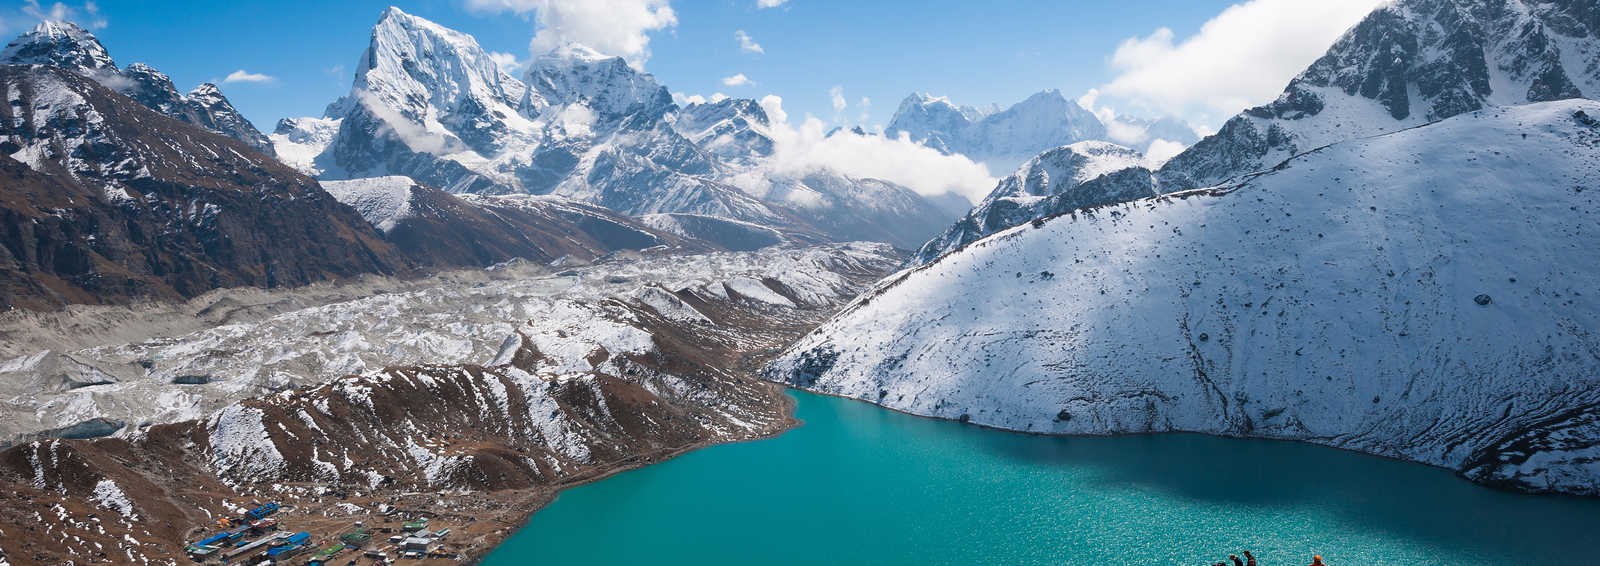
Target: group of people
(1250, 560)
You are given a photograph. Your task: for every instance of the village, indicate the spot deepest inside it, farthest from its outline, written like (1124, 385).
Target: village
(265, 534)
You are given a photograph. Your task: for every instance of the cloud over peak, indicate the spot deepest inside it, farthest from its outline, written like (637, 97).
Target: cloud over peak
(613, 27)
(1241, 58)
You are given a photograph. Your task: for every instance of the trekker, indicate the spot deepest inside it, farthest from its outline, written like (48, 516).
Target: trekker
(1249, 559)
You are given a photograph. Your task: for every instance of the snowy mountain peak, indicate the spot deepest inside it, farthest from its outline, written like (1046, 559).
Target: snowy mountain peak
(606, 85)
(437, 84)
(59, 44)
(574, 51)
(1408, 63)
(1001, 139)
(206, 92)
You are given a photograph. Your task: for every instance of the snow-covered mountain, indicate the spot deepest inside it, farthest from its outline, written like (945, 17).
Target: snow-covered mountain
(1058, 179)
(430, 104)
(1409, 62)
(106, 200)
(1002, 138)
(67, 46)
(1359, 295)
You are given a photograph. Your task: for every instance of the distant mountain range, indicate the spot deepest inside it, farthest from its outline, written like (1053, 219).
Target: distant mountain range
(428, 103)
(1004, 138)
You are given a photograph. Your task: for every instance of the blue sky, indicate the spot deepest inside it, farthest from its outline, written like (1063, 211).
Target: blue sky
(996, 51)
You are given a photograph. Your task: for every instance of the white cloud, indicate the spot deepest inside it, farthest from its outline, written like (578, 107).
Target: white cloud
(737, 80)
(1240, 58)
(414, 135)
(805, 147)
(1161, 150)
(682, 99)
(507, 62)
(866, 109)
(772, 104)
(243, 76)
(836, 96)
(576, 120)
(613, 27)
(764, 4)
(746, 43)
(88, 16)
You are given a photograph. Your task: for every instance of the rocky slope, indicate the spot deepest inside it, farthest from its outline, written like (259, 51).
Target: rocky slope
(1357, 296)
(67, 46)
(428, 103)
(547, 380)
(109, 200)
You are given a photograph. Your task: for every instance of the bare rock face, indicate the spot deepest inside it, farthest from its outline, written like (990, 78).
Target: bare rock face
(110, 200)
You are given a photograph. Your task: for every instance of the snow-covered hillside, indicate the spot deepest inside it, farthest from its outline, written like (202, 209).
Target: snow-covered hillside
(1428, 294)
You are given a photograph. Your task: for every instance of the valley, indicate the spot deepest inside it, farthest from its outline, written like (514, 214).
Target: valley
(1356, 304)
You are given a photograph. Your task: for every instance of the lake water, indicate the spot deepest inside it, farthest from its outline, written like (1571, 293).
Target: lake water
(859, 484)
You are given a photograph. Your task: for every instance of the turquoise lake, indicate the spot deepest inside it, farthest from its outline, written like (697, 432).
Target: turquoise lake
(858, 484)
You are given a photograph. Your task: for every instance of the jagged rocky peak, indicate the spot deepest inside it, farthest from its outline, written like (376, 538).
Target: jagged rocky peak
(59, 44)
(1407, 63)
(931, 119)
(736, 129)
(152, 88)
(608, 86)
(212, 111)
(412, 62)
